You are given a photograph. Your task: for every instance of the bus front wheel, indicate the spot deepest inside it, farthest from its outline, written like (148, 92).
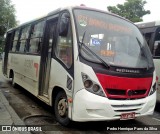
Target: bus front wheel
(61, 109)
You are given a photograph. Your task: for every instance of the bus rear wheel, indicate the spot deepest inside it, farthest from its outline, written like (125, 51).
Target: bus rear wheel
(61, 109)
(13, 82)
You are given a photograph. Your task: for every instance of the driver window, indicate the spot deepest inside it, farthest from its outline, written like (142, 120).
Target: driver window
(64, 47)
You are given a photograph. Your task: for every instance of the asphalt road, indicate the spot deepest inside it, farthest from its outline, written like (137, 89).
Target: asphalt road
(34, 112)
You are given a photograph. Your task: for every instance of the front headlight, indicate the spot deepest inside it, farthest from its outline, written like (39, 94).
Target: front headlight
(91, 85)
(153, 89)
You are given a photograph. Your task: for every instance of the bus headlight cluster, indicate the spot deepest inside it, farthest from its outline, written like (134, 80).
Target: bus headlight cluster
(91, 85)
(88, 83)
(153, 89)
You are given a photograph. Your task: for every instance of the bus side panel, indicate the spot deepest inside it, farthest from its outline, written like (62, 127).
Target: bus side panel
(26, 70)
(5, 53)
(58, 77)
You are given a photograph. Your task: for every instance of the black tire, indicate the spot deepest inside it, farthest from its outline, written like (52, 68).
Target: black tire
(61, 114)
(13, 82)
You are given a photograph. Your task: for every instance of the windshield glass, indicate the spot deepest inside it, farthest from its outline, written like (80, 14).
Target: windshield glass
(114, 40)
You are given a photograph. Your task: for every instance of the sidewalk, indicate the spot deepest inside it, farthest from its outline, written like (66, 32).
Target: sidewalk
(7, 115)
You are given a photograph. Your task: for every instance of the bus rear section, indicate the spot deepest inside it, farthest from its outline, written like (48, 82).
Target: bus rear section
(115, 76)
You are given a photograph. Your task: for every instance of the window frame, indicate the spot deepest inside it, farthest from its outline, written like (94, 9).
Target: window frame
(24, 39)
(30, 36)
(13, 40)
(56, 44)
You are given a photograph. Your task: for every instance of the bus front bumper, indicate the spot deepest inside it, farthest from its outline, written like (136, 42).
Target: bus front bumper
(90, 107)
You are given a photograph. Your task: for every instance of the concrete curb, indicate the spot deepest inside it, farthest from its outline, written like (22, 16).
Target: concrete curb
(10, 114)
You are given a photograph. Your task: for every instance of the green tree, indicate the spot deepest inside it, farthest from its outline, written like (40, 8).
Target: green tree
(133, 10)
(7, 18)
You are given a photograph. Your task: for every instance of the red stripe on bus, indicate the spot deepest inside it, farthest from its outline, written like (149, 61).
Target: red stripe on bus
(124, 87)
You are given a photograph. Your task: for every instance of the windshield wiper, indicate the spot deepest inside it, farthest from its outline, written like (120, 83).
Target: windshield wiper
(93, 53)
(143, 51)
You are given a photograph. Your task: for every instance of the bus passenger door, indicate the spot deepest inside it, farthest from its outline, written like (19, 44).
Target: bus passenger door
(6, 51)
(46, 55)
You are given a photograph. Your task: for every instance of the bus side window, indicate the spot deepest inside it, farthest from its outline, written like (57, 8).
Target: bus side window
(64, 47)
(148, 37)
(23, 39)
(36, 38)
(15, 41)
(157, 43)
(156, 48)
(9, 40)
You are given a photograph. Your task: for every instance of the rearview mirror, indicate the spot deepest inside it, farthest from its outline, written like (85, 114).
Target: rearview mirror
(64, 23)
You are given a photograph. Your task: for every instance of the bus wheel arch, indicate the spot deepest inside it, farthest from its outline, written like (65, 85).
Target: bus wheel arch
(60, 106)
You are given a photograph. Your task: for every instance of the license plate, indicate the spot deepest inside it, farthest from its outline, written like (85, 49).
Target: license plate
(127, 116)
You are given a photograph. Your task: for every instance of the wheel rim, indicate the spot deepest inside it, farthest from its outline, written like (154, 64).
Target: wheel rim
(62, 107)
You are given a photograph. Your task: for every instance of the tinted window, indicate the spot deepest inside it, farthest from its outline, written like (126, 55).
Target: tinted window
(156, 51)
(36, 37)
(24, 39)
(64, 48)
(115, 40)
(15, 41)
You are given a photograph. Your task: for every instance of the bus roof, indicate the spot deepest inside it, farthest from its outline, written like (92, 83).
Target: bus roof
(148, 24)
(36, 19)
(65, 8)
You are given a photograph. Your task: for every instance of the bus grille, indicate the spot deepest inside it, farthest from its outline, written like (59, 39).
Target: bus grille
(123, 108)
(126, 94)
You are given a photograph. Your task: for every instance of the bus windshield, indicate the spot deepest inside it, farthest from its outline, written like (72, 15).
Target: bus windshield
(114, 40)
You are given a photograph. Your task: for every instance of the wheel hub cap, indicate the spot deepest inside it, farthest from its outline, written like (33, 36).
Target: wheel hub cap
(62, 107)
